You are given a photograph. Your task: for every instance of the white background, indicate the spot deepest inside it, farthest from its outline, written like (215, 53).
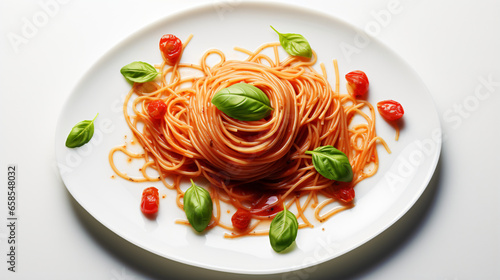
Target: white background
(452, 232)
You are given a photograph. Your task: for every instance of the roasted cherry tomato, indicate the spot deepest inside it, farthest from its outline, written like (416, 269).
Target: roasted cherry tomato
(171, 48)
(390, 110)
(241, 219)
(157, 109)
(357, 83)
(150, 201)
(344, 193)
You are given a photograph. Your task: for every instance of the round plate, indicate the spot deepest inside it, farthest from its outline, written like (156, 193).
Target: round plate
(380, 201)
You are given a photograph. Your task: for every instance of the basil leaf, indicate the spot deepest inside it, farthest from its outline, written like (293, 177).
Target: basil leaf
(331, 163)
(198, 207)
(243, 102)
(295, 44)
(81, 133)
(139, 72)
(283, 230)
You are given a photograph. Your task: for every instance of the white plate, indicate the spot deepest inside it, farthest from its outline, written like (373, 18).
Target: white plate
(380, 200)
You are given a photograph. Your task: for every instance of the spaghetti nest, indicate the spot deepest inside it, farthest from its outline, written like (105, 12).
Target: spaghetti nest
(246, 162)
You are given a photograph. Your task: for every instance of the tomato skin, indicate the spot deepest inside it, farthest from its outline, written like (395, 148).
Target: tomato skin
(241, 219)
(150, 201)
(157, 109)
(391, 110)
(267, 205)
(344, 193)
(171, 48)
(357, 83)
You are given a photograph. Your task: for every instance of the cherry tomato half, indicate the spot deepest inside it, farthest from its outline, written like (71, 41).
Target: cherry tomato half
(150, 201)
(344, 193)
(241, 219)
(357, 83)
(171, 48)
(390, 110)
(157, 109)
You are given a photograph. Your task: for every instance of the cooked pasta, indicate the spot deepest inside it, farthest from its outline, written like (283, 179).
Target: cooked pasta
(254, 165)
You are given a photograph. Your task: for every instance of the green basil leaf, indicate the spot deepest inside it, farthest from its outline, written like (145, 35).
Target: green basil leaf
(283, 230)
(81, 133)
(295, 44)
(198, 207)
(331, 163)
(139, 72)
(243, 102)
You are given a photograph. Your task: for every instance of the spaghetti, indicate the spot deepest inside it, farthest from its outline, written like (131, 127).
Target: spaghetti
(254, 165)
